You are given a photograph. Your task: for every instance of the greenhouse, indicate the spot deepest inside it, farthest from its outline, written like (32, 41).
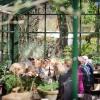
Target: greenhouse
(49, 49)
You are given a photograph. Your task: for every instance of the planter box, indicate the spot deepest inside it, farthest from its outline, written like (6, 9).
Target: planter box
(19, 96)
(50, 95)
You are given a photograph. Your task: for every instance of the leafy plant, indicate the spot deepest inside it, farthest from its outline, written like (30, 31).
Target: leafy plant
(49, 86)
(3, 68)
(11, 81)
(58, 4)
(67, 52)
(88, 48)
(96, 59)
(29, 82)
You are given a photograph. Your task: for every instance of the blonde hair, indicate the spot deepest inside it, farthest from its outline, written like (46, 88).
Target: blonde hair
(17, 68)
(59, 68)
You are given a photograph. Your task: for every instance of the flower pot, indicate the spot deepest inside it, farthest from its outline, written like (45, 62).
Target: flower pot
(19, 96)
(50, 95)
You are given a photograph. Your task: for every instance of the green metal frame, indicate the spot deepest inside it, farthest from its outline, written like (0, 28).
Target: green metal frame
(4, 42)
(98, 28)
(14, 38)
(75, 51)
(45, 43)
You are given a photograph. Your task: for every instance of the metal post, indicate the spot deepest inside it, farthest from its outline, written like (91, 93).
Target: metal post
(27, 30)
(80, 35)
(45, 33)
(75, 51)
(14, 37)
(97, 26)
(2, 39)
(8, 41)
(80, 38)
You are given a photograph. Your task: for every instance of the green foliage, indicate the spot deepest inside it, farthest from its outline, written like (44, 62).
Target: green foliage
(56, 4)
(67, 52)
(38, 81)
(88, 48)
(3, 68)
(59, 2)
(11, 81)
(92, 8)
(96, 59)
(87, 19)
(26, 82)
(49, 87)
(89, 9)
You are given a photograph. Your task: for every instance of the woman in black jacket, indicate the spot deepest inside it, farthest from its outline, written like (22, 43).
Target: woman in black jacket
(65, 86)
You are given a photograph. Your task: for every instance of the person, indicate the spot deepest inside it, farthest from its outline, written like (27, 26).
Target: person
(17, 68)
(65, 85)
(31, 62)
(80, 77)
(88, 70)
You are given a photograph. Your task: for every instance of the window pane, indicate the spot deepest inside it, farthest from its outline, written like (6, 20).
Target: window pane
(88, 23)
(52, 23)
(88, 7)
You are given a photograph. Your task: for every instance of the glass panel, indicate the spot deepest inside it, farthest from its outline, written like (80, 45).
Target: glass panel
(88, 7)
(88, 45)
(69, 21)
(33, 48)
(23, 26)
(88, 23)
(32, 23)
(49, 9)
(52, 23)
(38, 10)
(36, 23)
(41, 23)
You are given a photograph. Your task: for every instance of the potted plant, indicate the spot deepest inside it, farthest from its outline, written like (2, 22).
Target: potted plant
(19, 86)
(48, 90)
